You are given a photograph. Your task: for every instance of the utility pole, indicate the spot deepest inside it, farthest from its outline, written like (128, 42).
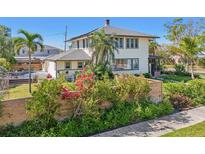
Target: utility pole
(65, 38)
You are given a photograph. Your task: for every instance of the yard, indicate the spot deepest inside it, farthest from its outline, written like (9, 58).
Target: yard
(174, 78)
(19, 91)
(101, 107)
(197, 130)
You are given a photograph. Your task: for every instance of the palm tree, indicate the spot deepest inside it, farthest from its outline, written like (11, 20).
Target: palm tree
(30, 41)
(103, 48)
(153, 45)
(190, 47)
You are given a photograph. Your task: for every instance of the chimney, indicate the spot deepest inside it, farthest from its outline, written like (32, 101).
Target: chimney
(107, 22)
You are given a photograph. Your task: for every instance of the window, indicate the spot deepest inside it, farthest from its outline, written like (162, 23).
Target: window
(83, 43)
(127, 43)
(121, 43)
(135, 63)
(136, 43)
(23, 51)
(78, 45)
(87, 43)
(121, 63)
(127, 64)
(116, 43)
(132, 43)
(68, 65)
(48, 51)
(80, 64)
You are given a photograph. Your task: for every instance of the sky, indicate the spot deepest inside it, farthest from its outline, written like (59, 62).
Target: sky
(53, 29)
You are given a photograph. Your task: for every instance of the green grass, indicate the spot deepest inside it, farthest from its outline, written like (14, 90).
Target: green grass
(197, 130)
(178, 78)
(18, 91)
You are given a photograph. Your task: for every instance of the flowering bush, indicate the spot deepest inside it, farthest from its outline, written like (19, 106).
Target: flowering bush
(49, 76)
(68, 94)
(84, 80)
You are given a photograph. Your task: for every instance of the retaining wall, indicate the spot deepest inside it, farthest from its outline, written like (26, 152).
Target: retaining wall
(14, 111)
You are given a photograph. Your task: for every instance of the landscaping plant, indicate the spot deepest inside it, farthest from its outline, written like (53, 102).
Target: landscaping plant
(194, 89)
(1, 106)
(44, 105)
(131, 88)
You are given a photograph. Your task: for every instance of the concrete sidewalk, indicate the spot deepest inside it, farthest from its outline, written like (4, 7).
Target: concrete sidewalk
(159, 126)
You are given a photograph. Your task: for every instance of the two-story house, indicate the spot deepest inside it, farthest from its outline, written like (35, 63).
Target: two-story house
(131, 57)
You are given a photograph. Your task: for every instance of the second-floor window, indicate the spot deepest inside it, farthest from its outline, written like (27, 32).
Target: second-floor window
(127, 43)
(121, 43)
(132, 43)
(83, 43)
(78, 44)
(116, 42)
(136, 43)
(87, 43)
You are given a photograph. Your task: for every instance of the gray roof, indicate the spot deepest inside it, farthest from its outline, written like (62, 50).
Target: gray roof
(72, 54)
(118, 32)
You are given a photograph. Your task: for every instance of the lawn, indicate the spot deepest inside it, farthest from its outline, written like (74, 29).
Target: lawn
(197, 130)
(177, 78)
(19, 91)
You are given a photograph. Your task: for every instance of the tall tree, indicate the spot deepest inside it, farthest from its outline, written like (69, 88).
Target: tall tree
(103, 47)
(153, 46)
(30, 41)
(187, 39)
(6, 48)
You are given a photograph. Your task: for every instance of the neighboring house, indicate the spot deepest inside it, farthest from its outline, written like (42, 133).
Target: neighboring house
(37, 57)
(132, 56)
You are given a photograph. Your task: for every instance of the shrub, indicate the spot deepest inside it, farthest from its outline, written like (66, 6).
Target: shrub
(120, 114)
(180, 68)
(130, 88)
(147, 75)
(194, 89)
(180, 103)
(1, 106)
(150, 110)
(102, 70)
(5, 64)
(43, 106)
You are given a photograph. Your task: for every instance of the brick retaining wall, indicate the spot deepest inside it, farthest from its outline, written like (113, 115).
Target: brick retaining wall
(14, 111)
(156, 90)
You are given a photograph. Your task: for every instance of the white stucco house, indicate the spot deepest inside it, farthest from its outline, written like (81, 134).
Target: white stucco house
(131, 57)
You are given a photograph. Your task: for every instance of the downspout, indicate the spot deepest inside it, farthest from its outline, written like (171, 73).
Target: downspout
(56, 69)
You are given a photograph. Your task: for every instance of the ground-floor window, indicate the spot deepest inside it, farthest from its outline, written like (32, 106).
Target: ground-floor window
(127, 64)
(80, 64)
(68, 65)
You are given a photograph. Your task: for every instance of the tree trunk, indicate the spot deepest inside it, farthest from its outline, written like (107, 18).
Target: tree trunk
(192, 70)
(29, 54)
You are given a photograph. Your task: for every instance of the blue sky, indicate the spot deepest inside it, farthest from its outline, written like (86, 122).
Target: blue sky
(52, 29)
